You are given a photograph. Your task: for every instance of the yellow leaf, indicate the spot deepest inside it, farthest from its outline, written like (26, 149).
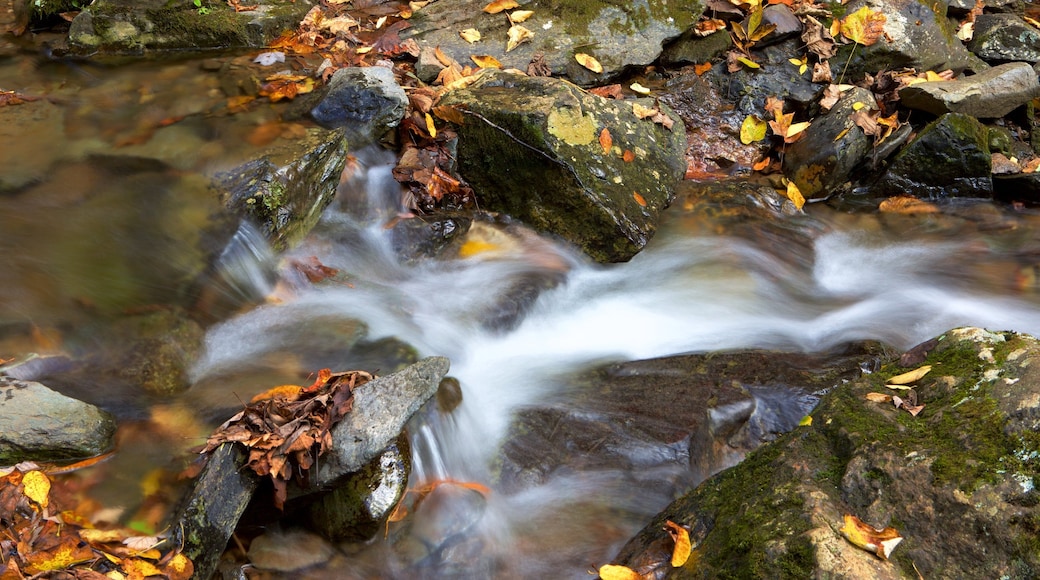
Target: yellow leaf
(589, 62)
(612, 572)
(863, 26)
(287, 392)
(869, 538)
(470, 35)
(796, 129)
(476, 247)
(485, 61)
(748, 62)
(135, 568)
(66, 554)
(518, 16)
(500, 5)
(683, 546)
(430, 127)
(932, 76)
(910, 377)
(806, 421)
(879, 398)
(37, 487)
(843, 133)
(179, 568)
(517, 36)
(752, 129)
(858, 105)
(638, 88)
(795, 195)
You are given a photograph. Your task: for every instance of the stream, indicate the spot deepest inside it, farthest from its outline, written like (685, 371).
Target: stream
(822, 280)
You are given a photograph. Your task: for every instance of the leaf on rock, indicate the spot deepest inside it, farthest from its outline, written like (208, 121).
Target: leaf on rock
(706, 26)
(485, 61)
(806, 421)
(628, 156)
(879, 397)
(863, 26)
(801, 63)
(614, 572)
(470, 35)
(449, 114)
(639, 89)
(589, 62)
(869, 538)
(700, 69)
(752, 129)
(911, 376)
(605, 140)
(608, 91)
(748, 62)
(817, 38)
(683, 546)
(821, 73)
(639, 199)
(795, 195)
(500, 5)
(518, 16)
(517, 35)
(783, 127)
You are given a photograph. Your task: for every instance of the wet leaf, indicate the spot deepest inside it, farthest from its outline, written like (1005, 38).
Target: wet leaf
(69, 552)
(911, 376)
(589, 62)
(795, 195)
(286, 87)
(470, 35)
(517, 35)
(485, 61)
(806, 421)
(869, 538)
(863, 26)
(639, 199)
(639, 89)
(137, 568)
(878, 397)
(782, 126)
(607, 91)
(179, 568)
(500, 5)
(762, 164)
(905, 204)
(683, 547)
(614, 572)
(37, 487)
(752, 129)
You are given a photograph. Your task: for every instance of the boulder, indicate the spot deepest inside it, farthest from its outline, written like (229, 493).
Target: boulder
(1005, 37)
(618, 34)
(533, 148)
(38, 424)
(833, 147)
(133, 26)
(285, 191)
(957, 481)
(693, 49)
(950, 157)
(776, 78)
(992, 93)
(367, 101)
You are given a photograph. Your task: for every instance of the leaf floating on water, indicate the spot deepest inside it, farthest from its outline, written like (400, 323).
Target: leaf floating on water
(500, 5)
(517, 36)
(910, 377)
(614, 572)
(752, 129)
(683, 545)
(795, 195)
(905, 204)
(589, 62)
(869, 538)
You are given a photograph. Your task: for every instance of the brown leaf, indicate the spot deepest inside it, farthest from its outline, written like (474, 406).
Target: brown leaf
(605, 140)
(831, 95)
(608, 91)
(864, 26)
(817, 38)
(867, 120)
(821, 73)
(538, 67)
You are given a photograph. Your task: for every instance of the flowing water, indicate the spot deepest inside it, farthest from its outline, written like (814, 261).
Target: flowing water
(826, 279)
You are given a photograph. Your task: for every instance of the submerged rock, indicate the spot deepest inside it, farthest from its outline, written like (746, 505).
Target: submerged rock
(967, 462)
(533, 148)
(992, 93)
(38, 424)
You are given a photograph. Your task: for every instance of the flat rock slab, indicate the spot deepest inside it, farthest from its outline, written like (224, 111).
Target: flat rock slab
(987, 95)
(38, 424)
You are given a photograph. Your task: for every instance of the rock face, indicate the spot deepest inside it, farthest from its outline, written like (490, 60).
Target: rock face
(618, 34)
(38, 424)
(285, 191)
(949, 158)
(1004, 37)
(533, 147)
(132, 26)
(367, 101)
(966, 463)
(989, 94)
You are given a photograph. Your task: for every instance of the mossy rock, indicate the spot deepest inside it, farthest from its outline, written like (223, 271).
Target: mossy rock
(967, 462)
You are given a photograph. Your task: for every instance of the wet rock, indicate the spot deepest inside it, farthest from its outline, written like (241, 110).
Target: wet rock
(992, 93)
(285, 191)
(999, 5)
(1018, 187)
(618, 34)
(705, 411)
(530, 147)
(435, 539)
(833, 147)
(785, 21)
(38, 424)
(917, 34)
(133, 26)
(30, 161)
(967, 462)
(415, 239)
(157, 350)
(288, 550)
(950, 157)
(367, 101)
(776, 77)
(1005, 37)
(712, 126)
(692, 49)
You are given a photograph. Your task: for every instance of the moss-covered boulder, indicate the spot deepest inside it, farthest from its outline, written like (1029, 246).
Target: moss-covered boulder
(133, 26)
(537, 149)
(957, 481)
(285, 190)
(950, 157)
(617, 34)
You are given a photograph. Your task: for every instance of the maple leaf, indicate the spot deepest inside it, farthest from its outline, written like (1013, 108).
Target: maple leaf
(863, 26)
(782, 126)
(869, 538)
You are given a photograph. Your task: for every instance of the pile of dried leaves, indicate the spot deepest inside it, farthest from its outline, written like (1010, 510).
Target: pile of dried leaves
(286, 428)
(41, 536)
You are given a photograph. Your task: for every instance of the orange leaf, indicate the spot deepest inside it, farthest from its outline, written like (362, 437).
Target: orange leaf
(905, 204)
(762, 164)
(500, 5)
(869, 538)
(69, 552)
(613, 572)
(605, 140)
(683, 546)
(702, 68)
(449, 114)
(878, 398)
(485, 61)
(179, 568)
(628, 156)
(286, 392)
(639, 199)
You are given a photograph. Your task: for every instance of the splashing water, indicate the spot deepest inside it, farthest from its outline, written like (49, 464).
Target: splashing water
(682, 294)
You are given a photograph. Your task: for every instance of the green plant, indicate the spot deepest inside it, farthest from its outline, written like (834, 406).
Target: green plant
(202, 9)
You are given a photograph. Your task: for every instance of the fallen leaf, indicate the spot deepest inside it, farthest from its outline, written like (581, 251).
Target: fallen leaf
(285, 392)
(863, 26)
(700, 69)
(500, 5)
(640, 89)
(817, 39)
(683, 547)
(801, 63)
(470, 35)
(605, 140)
(517, 35)
(430, 127)
(795, 195)
(904, 204)
(806, 421)
(869, 538)
(706, 26)
(748, 62)
(485, 61)
(37, 487)
(589, 62)
(639, 199)
(831, 95)
(607, 91)
(911, 376)
(762, 164)
(642, 111)
(627, 156)
(821, 73)
(518, 16)
(783, 127)
(613, 572)
(879, 397)
(899, 387)
(752, 129)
